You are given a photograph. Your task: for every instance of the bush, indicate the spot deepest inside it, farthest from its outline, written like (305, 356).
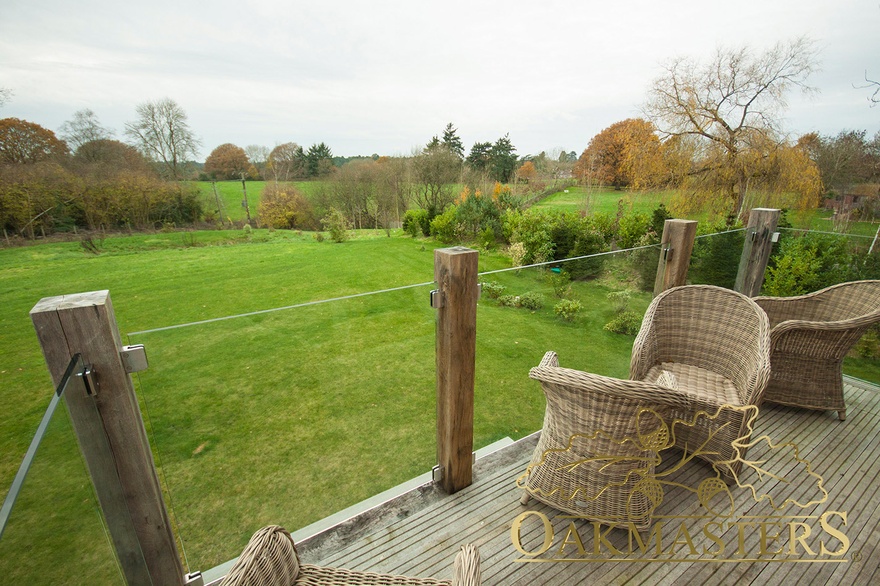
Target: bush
(631, 229)
(568, 309)
(507, 300)
(492, 289)
(620, 300)
(531, 300)
(416, 223)
(336, 224)
(626, 322)
(283, 206)
(561, 284)
(445, 227)
(808, 263)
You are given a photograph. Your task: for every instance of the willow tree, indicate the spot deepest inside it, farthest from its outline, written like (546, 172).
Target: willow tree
(733, 106)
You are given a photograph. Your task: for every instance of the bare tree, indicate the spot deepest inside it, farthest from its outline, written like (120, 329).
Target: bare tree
(258, 155)
(732, 105)
(82, 128)
(162, 133)
(286, 162)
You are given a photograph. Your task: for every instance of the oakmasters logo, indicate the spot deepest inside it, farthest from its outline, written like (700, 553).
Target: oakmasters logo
(635, 499)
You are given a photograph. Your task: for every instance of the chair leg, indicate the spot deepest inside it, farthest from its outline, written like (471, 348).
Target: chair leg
(524, 500)
(841, 414)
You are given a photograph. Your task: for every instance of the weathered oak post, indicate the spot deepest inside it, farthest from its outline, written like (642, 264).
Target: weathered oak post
(455, 271)
(111, 433)
(756, 251)
(676, 246)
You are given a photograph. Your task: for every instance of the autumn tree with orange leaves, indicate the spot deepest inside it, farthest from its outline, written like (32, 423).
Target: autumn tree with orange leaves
(25, 142)
(227, 161)
(626, 154)
(729, 110)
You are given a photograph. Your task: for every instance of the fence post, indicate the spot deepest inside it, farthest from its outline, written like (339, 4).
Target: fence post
(756, 251)
(455, 271)
(111, 434)
(676, 246)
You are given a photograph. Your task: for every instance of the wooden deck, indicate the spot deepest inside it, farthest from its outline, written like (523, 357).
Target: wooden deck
(419, 533)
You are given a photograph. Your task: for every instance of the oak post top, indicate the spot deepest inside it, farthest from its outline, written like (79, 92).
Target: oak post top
(59, 302)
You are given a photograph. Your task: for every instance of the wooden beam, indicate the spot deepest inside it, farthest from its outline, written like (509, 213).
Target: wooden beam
(109, 428)
(676, 246)
(455, 271)
(756, 251)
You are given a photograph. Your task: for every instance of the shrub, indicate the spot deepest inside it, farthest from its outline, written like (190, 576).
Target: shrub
(626, 322)
(631, 229)
(568, 309)
(284, 206)
(532, 230)
(620, 299)
(531, 300)
(416, 223)
(493, 289)
(445, 227)
(561, 284)
(517, 252)
(716, 259)
(508, 300)
(336, 224)
(808, 263)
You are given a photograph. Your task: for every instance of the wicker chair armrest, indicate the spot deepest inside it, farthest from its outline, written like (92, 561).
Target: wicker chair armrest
(466, 570)
(586, 382)
(829, 326)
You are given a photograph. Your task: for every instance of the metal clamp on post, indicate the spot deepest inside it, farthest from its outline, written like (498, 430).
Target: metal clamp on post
(134, 358)
(667, 252)
(437, 473)
(436, 299)
(88, 377)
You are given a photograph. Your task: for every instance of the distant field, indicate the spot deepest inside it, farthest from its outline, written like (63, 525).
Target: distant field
(602, 200)
(232, 196)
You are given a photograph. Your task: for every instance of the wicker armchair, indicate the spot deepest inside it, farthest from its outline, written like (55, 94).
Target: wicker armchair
(809, 338)
(700, 347)
(270, 559)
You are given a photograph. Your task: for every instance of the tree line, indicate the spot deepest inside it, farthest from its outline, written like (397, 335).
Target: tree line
(710, 131)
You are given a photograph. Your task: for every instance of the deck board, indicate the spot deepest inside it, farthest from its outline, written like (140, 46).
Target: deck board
(422, 537)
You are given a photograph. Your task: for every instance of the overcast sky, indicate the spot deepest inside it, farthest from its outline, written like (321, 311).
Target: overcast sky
(384, 76)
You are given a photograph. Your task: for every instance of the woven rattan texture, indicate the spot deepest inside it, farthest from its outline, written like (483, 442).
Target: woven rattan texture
(714, 342)
(810, 337)
(269, 559)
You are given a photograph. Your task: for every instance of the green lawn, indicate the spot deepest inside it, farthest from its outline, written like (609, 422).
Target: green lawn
(282, 417)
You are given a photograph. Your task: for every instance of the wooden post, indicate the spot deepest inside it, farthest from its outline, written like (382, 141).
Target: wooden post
(247, 207)
(756, 251)
(455, 270)
(676, 246)
(111, 433)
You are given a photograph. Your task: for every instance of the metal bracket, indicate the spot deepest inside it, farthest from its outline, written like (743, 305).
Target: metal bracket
(436, 298)
(774, 237)
(194, 579)
(437, 470)
(134, 358)
(667, 252)
(88, 377)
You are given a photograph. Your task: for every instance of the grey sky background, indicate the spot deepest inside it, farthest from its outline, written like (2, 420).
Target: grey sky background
(384, 76)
